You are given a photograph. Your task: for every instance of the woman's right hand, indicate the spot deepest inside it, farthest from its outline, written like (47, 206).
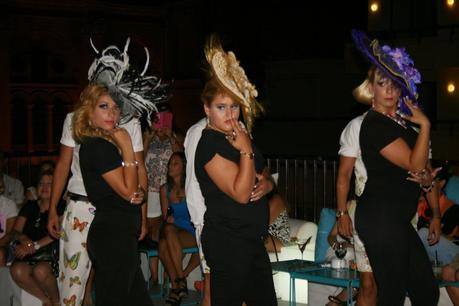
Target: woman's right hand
(239, 138)
(417, 116)
(121, 137)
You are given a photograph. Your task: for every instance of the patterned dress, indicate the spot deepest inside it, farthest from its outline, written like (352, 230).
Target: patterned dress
(157, 157)
(280, 228)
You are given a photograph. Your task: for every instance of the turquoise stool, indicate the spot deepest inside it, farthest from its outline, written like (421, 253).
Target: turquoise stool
(154, 253)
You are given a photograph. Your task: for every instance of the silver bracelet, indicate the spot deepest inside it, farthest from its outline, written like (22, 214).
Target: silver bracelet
(130, 164)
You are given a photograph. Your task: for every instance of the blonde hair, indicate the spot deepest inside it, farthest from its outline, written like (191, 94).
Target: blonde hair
(81, 122)
(362, 92)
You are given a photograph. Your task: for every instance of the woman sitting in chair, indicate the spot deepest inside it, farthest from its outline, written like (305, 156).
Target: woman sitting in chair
(279, 227)
(177, 232)
(35, 268)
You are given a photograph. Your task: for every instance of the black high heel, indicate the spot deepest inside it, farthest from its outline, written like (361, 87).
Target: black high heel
(174, 298)
(182, 287)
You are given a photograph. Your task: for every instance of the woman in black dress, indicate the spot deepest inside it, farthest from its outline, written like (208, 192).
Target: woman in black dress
(227, 164)
(35, 267)
(391, 148)
(109, 171)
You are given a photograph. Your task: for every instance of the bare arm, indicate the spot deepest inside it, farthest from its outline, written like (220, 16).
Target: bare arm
(163, 201)
(61, 173)
(143, 182)
(123, 180)
(346, 166)
(9, 228)
(18, 227)
(236, 182)
(435, 225)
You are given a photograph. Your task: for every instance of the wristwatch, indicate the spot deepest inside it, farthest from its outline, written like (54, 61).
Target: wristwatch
(340, 213)
(36, 246)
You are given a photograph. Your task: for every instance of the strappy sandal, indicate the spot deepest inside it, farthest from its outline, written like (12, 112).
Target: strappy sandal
(173, 299)
(182, 287)
(338, 301)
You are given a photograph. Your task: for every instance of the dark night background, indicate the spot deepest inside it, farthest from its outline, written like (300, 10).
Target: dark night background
(298, 54)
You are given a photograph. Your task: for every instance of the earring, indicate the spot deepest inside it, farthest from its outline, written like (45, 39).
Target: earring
(207, 120)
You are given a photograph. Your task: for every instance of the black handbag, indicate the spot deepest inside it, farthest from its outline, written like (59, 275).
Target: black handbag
(46, 253)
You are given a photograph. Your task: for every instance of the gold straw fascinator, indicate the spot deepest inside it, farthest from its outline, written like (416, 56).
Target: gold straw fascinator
(231, 76)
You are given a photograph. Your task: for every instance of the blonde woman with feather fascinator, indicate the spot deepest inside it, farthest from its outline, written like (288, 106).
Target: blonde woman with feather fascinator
(228, 167)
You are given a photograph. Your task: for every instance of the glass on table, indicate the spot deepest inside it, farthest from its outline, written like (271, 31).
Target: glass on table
(437, 266)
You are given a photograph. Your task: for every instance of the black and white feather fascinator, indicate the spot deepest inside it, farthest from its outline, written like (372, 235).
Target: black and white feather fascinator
(134, 92)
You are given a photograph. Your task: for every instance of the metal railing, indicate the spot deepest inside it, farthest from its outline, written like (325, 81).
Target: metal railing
(307, 184)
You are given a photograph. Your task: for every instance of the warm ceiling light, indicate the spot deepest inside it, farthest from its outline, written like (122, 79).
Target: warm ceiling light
(374, 7)
(450, 88)
(450, 3)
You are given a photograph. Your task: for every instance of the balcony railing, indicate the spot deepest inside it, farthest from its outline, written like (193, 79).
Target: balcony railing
(307, 184)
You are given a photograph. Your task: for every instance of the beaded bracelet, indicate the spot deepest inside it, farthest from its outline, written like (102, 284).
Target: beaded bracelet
(251, 155)
(130, 164)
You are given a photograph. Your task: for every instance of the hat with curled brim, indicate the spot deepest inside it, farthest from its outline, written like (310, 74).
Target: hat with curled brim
(395, 63)
(225, 68)
(133, 91)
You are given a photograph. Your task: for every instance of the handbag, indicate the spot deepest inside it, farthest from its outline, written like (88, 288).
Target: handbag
(45, 253)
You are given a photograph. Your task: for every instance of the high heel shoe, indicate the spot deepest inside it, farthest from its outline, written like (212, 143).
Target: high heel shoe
(182, 286)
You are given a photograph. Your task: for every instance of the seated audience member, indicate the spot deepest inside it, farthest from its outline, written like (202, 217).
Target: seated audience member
(8, 213)
(452, 187)
(14, 190)
(450, 273)
(177, 231)
(35, 267)
(449, 212)
(44, 166)
(279, 227)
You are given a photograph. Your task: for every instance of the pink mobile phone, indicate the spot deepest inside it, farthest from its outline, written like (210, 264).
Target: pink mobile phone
(164, 120)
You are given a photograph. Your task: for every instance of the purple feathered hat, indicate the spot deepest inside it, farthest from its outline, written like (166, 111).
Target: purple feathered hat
(395, 63)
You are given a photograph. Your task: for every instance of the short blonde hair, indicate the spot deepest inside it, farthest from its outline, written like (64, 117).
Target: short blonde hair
(81, 122)
(362, 92)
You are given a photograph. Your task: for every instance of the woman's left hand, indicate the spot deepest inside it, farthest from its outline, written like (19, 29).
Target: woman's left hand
(138, 197)
(24, 249)
(262, 187)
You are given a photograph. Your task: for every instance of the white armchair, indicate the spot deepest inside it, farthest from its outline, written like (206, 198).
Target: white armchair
(301, 230)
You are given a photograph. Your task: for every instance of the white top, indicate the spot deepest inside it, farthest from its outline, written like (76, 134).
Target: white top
(194, 198)
(350, 147)
(8, 209)
(14, 190)
(76, 181)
